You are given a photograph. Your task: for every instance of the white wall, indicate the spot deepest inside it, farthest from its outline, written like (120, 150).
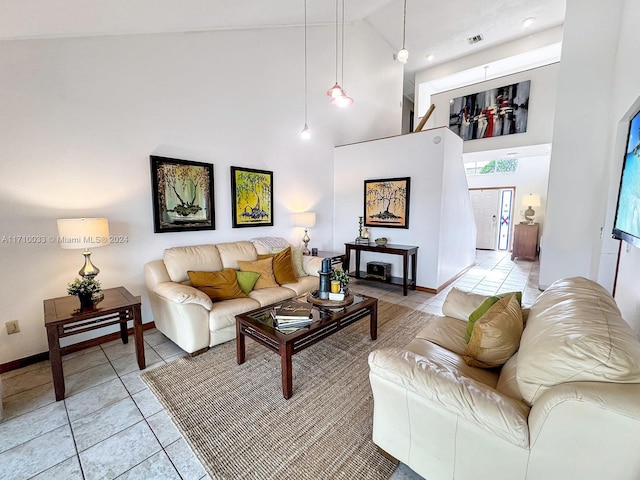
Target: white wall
(625, 101)
(542, 100)
(579, 170)
(422, 157)
(532, 177)
(81, 116)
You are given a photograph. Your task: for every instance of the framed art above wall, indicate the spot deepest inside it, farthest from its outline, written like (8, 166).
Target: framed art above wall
(492, 113)
(386, 202)
(182, 195)
(251, 197)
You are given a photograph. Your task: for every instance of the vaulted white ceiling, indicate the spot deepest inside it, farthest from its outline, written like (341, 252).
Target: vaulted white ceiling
(433, 27)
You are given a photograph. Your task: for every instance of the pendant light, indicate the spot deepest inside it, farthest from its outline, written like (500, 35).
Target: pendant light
(306, 132)
(403, 55)
(336, 90)
(343, 100)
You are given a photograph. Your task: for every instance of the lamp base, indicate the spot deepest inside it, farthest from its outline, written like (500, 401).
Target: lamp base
(306, 240)
(88, 270)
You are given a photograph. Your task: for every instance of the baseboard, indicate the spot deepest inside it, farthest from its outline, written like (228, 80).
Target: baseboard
(41, 357)
(447, 283)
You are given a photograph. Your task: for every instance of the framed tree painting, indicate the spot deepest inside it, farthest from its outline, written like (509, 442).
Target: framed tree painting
(182, 195)
(386, 202)
(251, 197)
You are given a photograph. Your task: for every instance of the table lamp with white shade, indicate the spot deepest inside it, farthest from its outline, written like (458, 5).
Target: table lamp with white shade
(530, 201)
(305, 220)
(85, 233)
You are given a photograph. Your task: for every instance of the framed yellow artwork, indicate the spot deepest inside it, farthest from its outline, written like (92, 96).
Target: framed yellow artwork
(251, 197)
(386, 202)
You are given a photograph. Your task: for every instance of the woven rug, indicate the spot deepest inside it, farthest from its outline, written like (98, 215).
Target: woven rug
(240, 427)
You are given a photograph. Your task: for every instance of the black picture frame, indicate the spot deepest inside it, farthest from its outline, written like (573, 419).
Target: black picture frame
(390, 194)
(251, 197)
(183, 195)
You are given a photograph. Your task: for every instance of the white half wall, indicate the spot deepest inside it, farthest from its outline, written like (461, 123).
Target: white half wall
(430, 158)
(542, 101)
(80, 117)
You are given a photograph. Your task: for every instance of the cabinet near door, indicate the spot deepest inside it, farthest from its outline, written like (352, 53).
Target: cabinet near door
(525, 241)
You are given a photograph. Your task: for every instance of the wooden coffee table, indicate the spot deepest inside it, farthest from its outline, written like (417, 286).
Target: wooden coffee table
(258, 325)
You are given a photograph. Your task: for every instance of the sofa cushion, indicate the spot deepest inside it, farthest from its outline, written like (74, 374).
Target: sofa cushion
(231, 252)
(179, 260)
(221, 285)
(282, 266)
(303, 285)
(447, 332)
(459, 304)
(263, 267)
(575, 333)
(484, 307)
(508, 383)
(496, 335)
(267, 296)
(247, 280)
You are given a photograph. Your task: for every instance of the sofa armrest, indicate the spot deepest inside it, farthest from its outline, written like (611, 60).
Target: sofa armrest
(179, 293)
(312, 265)
(444, 386)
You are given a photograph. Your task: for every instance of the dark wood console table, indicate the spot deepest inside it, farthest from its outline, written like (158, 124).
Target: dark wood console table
(407, 251)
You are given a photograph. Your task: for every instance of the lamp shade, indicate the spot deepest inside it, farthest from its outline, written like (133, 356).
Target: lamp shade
(531, 200)
(83, 232)
(304, 219)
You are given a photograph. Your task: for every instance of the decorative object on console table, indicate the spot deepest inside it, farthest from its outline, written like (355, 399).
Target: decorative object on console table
(360, 238)
(530, 201)
(182, 195)
(251, 197)
(381, 242)
(525, 241)
(379, 271)
(85, 289)
(305, 220)
(386, 202)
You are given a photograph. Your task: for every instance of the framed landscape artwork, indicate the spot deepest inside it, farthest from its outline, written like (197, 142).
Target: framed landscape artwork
(492, 113)
(386, 202)
(251, 197)
(182, 195)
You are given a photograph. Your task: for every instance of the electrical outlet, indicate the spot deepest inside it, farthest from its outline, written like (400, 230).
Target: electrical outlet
(13, 326)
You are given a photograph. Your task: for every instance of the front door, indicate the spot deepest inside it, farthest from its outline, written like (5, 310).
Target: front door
(486, 206)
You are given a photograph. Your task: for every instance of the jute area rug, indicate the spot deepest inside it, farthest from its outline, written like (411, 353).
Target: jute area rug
(240, 427)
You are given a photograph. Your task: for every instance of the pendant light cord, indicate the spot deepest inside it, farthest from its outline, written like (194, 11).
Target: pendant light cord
(336, 41)
(305, 62)
(342, 59)
(404, 25)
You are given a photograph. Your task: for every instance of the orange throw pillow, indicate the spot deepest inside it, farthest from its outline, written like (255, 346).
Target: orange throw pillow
(221, 285)
(282, 266)
(264, 268)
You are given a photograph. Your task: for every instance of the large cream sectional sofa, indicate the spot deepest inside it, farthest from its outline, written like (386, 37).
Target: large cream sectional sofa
(188, 316)
(566, 406)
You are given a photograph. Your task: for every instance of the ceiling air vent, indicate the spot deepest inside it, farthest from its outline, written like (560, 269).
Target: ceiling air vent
(475, 39)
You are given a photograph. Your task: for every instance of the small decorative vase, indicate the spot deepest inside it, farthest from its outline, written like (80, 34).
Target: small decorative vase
(86, 301)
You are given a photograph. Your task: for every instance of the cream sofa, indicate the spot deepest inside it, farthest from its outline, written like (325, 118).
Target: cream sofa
(187, 316)
(566, 406)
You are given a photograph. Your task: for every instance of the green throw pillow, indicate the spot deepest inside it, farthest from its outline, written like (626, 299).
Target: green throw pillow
(482, 309)
(247, 280)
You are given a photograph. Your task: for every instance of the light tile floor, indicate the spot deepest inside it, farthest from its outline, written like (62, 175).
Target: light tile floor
(111, 426)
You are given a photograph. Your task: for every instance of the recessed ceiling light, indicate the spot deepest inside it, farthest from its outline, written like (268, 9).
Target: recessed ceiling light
(527, 22)
(430, 57)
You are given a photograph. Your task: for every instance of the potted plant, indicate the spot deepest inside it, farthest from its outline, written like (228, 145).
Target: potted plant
(340, 276)
(84, 289)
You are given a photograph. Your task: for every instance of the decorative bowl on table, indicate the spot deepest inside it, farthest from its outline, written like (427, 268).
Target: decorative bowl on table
(381, 242)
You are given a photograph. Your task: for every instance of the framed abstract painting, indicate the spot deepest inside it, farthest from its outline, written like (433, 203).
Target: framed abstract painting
(251, 197)
(386, 202)
(182, 195)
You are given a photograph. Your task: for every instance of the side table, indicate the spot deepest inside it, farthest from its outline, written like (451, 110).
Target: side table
(63, 317)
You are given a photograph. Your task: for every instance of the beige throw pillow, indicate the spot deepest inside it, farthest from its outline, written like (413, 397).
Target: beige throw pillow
(496, 335)
(262, 267)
